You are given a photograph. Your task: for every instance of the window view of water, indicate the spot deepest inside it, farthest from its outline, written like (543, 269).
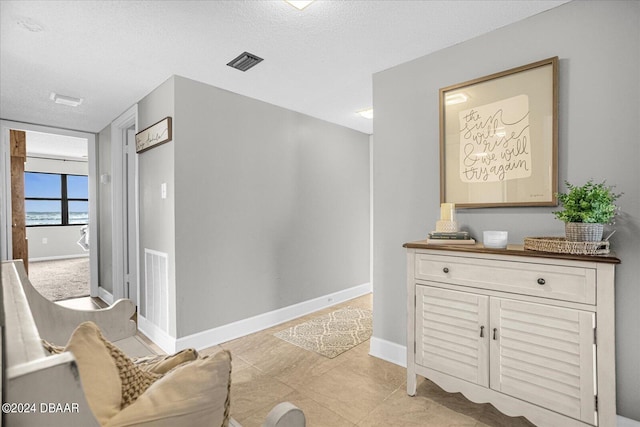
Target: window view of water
(46, 194)
(55, 218)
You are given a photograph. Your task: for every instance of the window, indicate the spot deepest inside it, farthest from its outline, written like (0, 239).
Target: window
(56, 199)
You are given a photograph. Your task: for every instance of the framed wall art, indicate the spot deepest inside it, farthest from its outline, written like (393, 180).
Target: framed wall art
(156, 134)
(499, 138)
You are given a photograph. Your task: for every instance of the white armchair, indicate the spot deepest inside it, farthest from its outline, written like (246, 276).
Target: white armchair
(32, 375)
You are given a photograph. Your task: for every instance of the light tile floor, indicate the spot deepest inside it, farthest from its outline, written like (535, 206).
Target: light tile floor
(353, 389)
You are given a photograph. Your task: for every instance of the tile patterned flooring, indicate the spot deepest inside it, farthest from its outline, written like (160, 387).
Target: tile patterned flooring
(353, 389)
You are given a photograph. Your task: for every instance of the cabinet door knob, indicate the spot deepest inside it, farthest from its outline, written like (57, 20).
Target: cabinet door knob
(495, 331)
(446, 269)
(541, 281)
(481, 331)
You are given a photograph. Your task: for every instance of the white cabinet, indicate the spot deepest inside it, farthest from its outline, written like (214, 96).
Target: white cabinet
(515, 329)
(451, 333)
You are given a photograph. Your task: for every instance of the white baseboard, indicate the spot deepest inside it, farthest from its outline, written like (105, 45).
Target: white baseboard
(397, 354)
(389, 351)
(58, 257)
(163, 340)
(626, 422)
(263, 321)
(105, 295)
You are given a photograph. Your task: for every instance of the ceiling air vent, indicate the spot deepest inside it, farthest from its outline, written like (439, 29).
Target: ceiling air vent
(244, 61)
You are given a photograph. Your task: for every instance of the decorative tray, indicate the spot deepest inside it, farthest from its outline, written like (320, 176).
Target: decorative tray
(560, 245)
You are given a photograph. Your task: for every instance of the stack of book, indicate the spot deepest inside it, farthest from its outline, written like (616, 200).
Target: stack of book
(450, 238)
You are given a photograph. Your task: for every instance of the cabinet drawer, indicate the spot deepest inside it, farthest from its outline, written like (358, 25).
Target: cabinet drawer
(574, 284)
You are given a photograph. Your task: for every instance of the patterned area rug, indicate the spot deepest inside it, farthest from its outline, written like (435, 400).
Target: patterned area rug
(331, 334)
(61, 279)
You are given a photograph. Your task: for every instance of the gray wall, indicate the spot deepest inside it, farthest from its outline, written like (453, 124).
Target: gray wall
(61, 241)
(105, 211)
(272, 207)
(155, 167)
(598, 44)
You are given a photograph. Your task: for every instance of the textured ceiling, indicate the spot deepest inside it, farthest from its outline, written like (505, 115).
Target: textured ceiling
(318, 61)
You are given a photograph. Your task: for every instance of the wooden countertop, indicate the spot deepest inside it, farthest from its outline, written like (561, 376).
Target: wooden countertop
(517, 250)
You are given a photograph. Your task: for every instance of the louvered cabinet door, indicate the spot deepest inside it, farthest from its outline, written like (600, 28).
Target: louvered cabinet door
(452, 333)
(544, 355)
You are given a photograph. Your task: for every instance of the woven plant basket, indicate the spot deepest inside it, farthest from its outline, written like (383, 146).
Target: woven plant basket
(583, 232)
(560, 245)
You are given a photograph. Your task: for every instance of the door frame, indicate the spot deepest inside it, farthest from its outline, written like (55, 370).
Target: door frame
(119, 128)
(131, 173)
(6, 251)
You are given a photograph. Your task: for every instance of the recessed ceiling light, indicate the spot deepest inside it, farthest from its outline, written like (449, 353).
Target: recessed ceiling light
(367, 113)
(65, 100)
(455, 98)
(299, 4)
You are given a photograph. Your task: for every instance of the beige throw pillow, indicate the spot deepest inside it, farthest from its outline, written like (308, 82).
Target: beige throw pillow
(109, 378)
(98, 371)
(193, 394)
(134, 380)
(163, 364)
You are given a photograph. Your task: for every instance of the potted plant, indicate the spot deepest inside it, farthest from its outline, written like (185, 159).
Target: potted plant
(586, 209)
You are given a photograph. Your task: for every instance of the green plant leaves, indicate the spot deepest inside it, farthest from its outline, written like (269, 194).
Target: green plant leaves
(590, 203)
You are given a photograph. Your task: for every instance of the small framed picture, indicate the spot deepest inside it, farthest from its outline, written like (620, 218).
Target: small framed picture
(156, 134)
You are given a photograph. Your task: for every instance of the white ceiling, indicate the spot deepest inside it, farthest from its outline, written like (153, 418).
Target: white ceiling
(318, 61)
(47, 145)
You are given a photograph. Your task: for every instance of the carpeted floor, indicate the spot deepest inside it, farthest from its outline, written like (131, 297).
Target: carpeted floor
(61, 279)
(333, 333)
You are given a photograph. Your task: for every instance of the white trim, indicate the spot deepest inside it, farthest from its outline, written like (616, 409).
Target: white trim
(105, 295)
(57, 257)
(6, 248)
(94, 219)
(626, 422)
(134, 219)
(371, 210)
(263, 321)
(159, 337)
(248, 326)
(389, 351)
(118, 134)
